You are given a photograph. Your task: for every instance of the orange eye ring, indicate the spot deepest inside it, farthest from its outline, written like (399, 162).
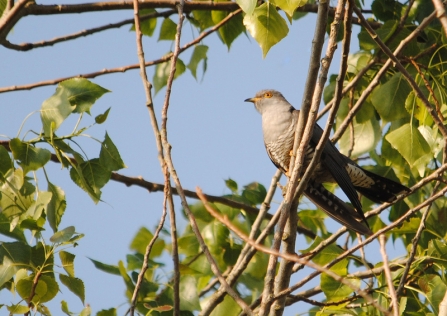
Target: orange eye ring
(268, 95)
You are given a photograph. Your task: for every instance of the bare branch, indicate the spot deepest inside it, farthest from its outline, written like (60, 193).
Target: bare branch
(394, 307)
(129, 67)
(224, 220)
(341, 129)
(440, 14)
(28, 46)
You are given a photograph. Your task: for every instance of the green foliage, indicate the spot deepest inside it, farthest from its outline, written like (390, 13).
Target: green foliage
(266, 26)
(27, 268)
(393, 131)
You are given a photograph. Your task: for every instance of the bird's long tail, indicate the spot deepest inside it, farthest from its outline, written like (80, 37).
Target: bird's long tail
(337, 209)
(381, 189)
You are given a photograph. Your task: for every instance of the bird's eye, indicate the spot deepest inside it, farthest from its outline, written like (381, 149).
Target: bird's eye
(268, 95)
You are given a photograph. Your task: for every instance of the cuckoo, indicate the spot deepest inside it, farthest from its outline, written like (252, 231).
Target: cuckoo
(279, 120)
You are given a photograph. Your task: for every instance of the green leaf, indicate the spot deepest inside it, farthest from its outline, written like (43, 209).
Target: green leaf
(64, 308)
(45, 290)
(197, 56)
(202, 19)
(231, 184)
(216, 237)
(75, 285)
(127, 280)
(289, 6)
(254, 193)
(107, 312)
(30, 158)
(16, 233)
(389, 98)
(410, 143)
(433, 138)
(366, 137)
(162, 73)
(55, 110)
(16, 197)
(42, 256)
(7, 270)
(147, 26)
(189, 298)
(36, 208)
(230, 30)
(266, 26)
(67, 260)
(18, 253)
(335, 290)
(168, 30)
(101, 118)
(82, 93)
(56, 207)
(63, 235)
(91, 176)
(17, 309)
(142, 239)
(86, 311)
(416, 108)
(247, 6)
(5, 162)
(109, 156)
(106, 267)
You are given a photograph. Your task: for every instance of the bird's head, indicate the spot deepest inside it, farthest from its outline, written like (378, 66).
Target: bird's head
(266, 100)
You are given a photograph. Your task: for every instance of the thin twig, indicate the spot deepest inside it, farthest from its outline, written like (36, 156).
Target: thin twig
(167, 188)
(28, 46)
(440, 14)
(394, 307)
(392, 57)
(163, 59)
(247, 252)
(376, 80)
(415, 242)
(145, 265)
(366, 241)
(224, 220)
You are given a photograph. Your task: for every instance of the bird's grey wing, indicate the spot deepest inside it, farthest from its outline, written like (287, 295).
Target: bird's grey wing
(336, 163)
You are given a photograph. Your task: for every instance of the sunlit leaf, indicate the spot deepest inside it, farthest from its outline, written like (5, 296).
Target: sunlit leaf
(106, 267)
(230, 30)
(266, 26)
(189, 298)
(147, 26)
(67, 260)
(63, 235)
(30, 158)
(289, 6)
(109, 156)
(198, 55)
(168, 30)
(389, 98)
(82, 93)
(5, 162)
(162, 73)
(247, 5)
(18, 309)
(56, 207)
(75, 285)
(101, 118)
(410, 143)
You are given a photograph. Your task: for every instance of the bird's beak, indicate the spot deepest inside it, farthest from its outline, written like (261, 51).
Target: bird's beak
(253, 100)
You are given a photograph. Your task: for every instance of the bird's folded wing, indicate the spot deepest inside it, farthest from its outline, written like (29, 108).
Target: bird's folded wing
(336, 164)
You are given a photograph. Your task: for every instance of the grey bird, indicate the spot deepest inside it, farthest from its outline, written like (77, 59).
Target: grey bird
(279, 119)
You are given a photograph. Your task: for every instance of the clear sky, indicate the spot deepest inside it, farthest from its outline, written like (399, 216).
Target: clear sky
(213, 133)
